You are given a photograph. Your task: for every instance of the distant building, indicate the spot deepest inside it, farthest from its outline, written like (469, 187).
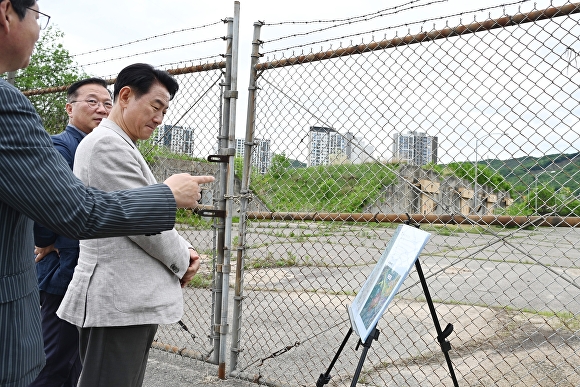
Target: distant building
(328, 146)
(325, 145)
(261, 157)
(357, 150)
(415, 148)
(176, 138)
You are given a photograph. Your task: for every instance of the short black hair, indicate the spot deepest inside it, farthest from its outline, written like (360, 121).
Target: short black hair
(21, 6)
(71, 92)
(140, 77)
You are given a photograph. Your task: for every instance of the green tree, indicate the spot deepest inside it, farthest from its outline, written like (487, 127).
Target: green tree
(280, 164)
(485, 175)
(545, 200)
(51, 65)
(542, 200)
(566, 203)
(238, 166)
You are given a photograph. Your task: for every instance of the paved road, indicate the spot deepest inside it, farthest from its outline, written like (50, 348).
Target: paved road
(168, 370)
(476, 274)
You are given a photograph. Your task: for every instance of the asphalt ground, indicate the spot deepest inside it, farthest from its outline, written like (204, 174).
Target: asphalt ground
(510, 360)
(170, 370)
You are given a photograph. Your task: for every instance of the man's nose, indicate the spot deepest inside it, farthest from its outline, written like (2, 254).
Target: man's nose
(158, 118)
(101, 108)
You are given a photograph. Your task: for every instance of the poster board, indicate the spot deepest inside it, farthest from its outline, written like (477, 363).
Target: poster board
(386, 278)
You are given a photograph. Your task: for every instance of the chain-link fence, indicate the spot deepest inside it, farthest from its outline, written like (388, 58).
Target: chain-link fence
(469, 129)
(472, 130)
(196, 126)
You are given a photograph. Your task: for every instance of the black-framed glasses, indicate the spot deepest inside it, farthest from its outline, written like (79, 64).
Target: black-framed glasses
(93, 104)
(42, 20)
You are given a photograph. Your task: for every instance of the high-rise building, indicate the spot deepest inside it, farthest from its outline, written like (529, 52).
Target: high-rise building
(415, 148)
(261, 157)
(176, 138)
(357, 150)
(328, 146)
(325, 145)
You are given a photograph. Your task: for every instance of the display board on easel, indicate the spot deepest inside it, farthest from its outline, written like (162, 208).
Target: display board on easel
(386, 278)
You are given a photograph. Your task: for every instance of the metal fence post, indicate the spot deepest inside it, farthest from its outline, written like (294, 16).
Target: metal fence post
(227, 148)
(10, 77)
(222, 266)
(244, 193)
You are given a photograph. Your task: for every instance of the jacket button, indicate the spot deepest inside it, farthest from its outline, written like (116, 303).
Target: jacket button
(174, 268)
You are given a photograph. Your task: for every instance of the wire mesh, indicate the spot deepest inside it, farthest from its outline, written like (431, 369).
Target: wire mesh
(471, 131)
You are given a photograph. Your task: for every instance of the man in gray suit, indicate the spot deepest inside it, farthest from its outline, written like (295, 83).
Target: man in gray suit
(36, 184)
(123, 287)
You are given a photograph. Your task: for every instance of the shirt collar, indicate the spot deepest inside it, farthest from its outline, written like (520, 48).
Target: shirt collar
(78, 130)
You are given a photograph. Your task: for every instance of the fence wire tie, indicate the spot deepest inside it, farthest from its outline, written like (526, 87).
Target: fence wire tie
(184, 327)
(279, 352)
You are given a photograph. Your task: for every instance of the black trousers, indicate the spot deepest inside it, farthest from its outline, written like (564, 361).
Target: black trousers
(115, 356)
(61, 347)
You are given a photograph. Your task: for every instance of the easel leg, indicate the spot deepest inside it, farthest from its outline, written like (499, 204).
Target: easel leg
(325, 378)
(374, 335)
(441, 335)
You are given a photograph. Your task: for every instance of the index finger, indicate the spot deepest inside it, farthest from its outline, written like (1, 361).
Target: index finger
(203, 179)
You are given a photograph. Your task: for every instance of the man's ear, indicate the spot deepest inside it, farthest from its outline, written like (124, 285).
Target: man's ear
(68, 108)
(6, 12)
(124, 96)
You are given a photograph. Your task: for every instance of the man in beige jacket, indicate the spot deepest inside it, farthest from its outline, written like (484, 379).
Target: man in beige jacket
(124, 286)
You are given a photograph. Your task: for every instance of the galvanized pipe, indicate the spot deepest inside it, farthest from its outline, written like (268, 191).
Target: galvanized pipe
(486, 220)
(472, 28)
(244, 193)
(218, 331)
(228, 139)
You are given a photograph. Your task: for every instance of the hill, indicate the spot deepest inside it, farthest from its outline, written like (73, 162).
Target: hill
(288, 186)
(557, 170)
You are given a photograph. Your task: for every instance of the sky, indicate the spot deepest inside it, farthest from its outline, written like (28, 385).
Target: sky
(94, 26)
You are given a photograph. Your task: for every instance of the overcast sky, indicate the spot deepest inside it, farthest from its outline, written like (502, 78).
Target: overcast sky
(98, 25)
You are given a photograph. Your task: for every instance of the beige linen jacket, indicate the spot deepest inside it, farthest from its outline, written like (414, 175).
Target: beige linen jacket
(123, 280)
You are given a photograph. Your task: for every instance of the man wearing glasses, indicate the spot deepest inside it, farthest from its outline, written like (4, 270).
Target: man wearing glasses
(37, 185)
(88, 102)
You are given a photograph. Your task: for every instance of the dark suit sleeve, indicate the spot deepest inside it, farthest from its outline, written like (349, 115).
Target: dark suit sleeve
(64, 150)
(37, 182)
(43, 237)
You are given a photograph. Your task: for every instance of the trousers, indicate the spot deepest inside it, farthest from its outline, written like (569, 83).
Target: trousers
(115, 356)
(61, 346)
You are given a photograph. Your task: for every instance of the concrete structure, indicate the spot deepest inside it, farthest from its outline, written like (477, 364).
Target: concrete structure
(420, 191)
(164, 167)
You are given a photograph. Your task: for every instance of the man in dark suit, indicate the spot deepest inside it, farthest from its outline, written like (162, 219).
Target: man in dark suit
(36, 184)
(88, 102)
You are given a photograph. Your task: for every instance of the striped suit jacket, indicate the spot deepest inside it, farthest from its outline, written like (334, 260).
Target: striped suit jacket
(36, 184)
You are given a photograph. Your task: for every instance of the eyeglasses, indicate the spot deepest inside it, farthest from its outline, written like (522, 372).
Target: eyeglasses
(42, 20)
(93, 104)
